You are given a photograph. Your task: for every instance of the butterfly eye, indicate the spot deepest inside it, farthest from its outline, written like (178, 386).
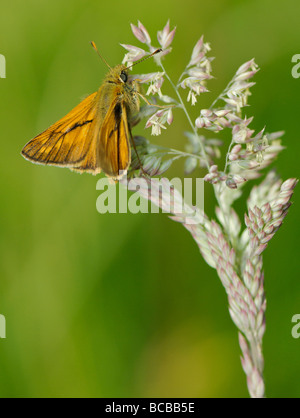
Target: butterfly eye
(123, 77)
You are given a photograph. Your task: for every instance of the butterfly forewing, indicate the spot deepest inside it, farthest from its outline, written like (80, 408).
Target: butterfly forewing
(68, 141)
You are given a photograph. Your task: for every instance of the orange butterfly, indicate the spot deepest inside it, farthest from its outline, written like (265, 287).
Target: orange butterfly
(95, 135)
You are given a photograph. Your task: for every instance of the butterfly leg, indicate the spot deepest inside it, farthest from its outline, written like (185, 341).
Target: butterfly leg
(155, 105)
(138, 157)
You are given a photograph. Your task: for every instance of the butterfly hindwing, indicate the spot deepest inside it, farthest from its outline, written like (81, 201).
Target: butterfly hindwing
(114, 147)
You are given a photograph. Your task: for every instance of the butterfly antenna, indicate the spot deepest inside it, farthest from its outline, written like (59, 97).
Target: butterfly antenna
(95, 48)
(145, 58)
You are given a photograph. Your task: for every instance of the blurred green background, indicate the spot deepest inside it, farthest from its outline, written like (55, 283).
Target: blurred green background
(123, 305)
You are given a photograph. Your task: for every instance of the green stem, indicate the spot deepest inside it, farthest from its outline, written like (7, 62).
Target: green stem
(217, 190)
(221, 95)
(188, 117)
(172, 151)
(227, 155)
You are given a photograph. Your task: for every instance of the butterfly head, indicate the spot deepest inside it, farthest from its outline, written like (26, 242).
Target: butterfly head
(118, 75)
